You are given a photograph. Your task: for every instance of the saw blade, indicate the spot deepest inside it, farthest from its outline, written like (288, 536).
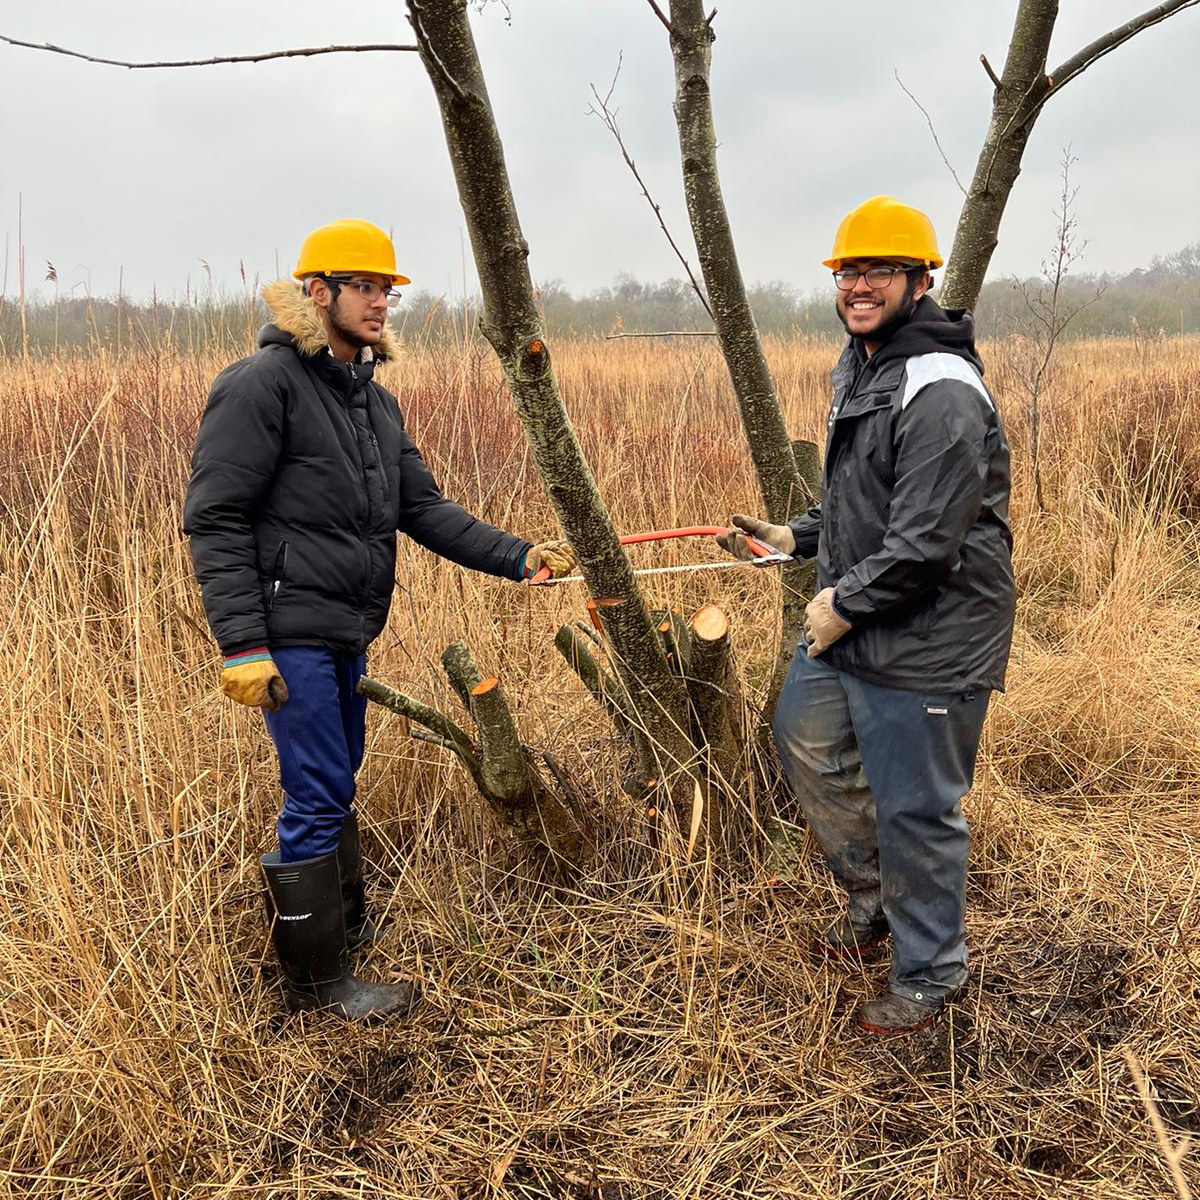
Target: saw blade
(715, 566)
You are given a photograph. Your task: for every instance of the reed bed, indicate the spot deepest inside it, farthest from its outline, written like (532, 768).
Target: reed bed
(602, 1042)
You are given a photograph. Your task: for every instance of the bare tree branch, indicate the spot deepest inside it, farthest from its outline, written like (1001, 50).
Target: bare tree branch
(1023, 89)
(1110, 41)
(987, 66)
(609, 117)
(658, 12)
(415, 12)
(929, 122)
(613, 337)
(306, 52)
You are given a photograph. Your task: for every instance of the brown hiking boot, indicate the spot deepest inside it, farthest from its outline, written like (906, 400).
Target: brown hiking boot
(844, 939)
(890, 1015)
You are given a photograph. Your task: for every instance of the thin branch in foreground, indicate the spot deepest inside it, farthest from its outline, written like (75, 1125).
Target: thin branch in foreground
(1097, 49)
(304, 52)
(658, 12)
(613, 337)
(929, 122)
(1173, 1152)
(609, 118)
(987, 66)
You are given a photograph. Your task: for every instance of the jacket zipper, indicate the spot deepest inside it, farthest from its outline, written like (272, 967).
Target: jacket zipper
(366, 533)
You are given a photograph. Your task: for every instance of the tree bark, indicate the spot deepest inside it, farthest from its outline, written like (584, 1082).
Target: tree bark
(717, 701)
(511, 324)
(800, 582)
(779, 482)
(770, 447)
(1023, 88)
(1015, 105)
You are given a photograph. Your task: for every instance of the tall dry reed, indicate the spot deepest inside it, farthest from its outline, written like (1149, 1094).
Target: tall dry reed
(603, 1042)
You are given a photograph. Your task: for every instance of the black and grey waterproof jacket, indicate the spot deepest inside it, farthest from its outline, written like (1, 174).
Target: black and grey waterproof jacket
(301, 476)
(912, 529)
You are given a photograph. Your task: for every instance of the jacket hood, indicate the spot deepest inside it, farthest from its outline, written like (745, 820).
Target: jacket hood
(931, 329)
(295, 315)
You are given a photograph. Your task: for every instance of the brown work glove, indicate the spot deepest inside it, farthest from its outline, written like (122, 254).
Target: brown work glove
(778, 537)
(253, 679)
(556, 556)
(822, 625)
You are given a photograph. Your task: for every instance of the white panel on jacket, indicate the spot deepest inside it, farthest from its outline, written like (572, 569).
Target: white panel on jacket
(924, 369)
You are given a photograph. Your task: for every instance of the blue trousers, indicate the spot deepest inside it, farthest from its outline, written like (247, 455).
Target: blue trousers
(879, 773)
(319, 736)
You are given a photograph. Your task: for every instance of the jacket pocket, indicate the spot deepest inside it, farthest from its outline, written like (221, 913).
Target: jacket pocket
(925, 618)
(278, 574)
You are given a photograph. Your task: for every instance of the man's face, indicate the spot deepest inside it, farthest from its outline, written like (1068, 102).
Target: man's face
(357, 319)
(867, 310)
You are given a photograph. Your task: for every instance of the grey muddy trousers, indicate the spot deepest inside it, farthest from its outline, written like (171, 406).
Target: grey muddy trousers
(879, 773)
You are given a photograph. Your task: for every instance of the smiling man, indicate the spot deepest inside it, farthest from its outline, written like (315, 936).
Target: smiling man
(879, 721)
(301, 476)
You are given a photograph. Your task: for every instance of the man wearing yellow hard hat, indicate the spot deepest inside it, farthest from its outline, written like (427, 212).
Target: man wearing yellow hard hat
(301, 477)
(879, 721)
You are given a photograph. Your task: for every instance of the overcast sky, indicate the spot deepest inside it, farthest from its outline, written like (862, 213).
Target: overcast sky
(150, 172)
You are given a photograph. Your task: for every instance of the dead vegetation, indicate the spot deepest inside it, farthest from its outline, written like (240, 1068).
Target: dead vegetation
(623, 1036)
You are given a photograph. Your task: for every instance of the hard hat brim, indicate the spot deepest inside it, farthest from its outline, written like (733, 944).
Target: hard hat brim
(930, 264)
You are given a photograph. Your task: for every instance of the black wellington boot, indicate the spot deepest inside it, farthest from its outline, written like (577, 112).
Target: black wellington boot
(360, 929)
(309, 933)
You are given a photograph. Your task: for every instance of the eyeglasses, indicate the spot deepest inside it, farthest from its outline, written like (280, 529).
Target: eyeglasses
(876, 277)
(368, 289)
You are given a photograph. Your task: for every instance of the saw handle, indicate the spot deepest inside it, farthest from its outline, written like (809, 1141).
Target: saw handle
(757, 548)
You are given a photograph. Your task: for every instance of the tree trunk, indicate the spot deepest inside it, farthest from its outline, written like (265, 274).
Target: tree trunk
(511, 324)
(717, 701)
(1015, 105)
(800, 582)
(783, 491)
(1019, 96)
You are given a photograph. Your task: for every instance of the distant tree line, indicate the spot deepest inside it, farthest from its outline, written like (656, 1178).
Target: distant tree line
(1162, 299)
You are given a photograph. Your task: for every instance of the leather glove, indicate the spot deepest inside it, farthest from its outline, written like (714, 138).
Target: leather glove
(822, 625)
(253, 679)
(557, 556)
(778, 537)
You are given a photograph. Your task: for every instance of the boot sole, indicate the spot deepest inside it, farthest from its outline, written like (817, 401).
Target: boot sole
(896, 1031)
(297, 1002)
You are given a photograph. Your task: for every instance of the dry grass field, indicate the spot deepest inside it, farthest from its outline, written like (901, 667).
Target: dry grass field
(598, 1043)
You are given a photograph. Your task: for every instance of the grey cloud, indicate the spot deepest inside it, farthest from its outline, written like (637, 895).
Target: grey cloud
(149, 172)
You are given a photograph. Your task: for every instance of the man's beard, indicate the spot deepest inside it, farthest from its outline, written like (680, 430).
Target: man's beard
(885, 330)
(347, 335)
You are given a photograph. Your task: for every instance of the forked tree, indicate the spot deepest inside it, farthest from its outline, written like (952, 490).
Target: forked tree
(1020, 93)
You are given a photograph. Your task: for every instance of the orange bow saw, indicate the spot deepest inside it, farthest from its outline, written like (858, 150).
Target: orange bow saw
(764, 555)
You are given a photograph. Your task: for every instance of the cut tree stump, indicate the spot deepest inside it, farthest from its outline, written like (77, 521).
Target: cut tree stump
(501, 767)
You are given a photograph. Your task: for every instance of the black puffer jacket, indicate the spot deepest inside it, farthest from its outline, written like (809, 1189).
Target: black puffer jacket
(912, 530)
(301, 476)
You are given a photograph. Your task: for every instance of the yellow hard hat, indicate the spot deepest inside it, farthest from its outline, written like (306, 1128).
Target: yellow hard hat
(348, 246)
(884, 228)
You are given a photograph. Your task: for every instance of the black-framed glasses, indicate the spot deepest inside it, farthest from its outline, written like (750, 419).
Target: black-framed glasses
(368, 289)
(877, 277)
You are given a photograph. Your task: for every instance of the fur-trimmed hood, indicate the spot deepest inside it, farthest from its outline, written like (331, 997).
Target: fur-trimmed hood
(295, 314)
